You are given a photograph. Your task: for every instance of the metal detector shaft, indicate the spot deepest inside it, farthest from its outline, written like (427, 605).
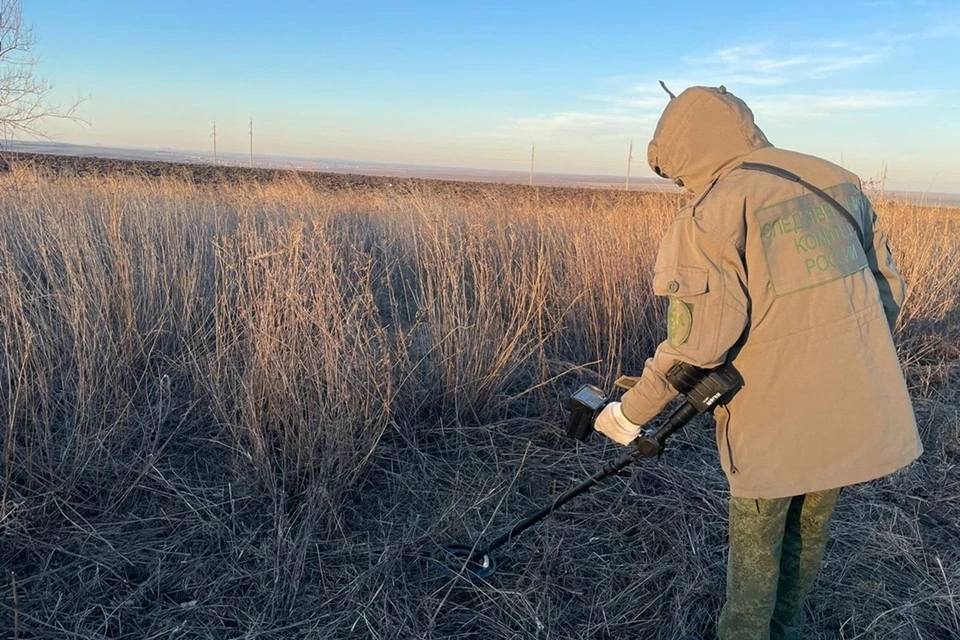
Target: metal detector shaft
(645, 446)
(562, 499)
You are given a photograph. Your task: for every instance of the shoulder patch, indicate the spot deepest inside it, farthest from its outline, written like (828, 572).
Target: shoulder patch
(679, 321)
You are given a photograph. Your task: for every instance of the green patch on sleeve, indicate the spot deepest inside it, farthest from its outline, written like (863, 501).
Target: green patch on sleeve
(679, 321)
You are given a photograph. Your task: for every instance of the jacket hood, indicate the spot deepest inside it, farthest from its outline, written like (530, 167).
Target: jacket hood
(702, 133)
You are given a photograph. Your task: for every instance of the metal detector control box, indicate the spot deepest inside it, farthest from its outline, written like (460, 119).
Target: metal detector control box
(584, 405)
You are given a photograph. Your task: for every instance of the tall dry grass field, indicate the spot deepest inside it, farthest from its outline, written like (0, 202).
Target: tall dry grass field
(252, 410)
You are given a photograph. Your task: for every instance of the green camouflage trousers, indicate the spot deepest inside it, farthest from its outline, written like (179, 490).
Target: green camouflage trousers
(775, 552)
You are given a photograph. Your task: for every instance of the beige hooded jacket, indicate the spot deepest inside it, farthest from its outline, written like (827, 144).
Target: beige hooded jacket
(763, 272)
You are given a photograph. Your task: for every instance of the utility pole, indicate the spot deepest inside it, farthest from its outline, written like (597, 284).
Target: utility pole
(629, 161)
(214, 135)
(533, 149)
(251, 142)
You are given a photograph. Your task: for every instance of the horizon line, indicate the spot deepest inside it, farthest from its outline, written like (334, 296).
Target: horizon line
(344, 166)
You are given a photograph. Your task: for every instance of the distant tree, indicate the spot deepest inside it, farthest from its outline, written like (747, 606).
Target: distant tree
(24, 96)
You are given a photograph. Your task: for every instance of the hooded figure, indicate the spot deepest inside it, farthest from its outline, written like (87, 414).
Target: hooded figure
(778, 266)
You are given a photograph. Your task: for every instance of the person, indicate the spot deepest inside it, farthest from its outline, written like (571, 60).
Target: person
(777, 266)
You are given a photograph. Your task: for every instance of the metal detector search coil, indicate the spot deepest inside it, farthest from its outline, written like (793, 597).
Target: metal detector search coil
(455, 559)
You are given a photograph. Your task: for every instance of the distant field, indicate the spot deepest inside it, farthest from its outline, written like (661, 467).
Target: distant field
(249, 404)
(52, 153)
(169, 161)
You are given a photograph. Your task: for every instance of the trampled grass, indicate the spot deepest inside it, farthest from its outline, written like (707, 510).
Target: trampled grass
(252, 410)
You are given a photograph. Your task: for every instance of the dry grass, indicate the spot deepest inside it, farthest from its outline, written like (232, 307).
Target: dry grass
(251, 411)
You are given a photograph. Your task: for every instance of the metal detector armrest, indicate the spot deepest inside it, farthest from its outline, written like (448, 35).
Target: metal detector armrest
(703, 396)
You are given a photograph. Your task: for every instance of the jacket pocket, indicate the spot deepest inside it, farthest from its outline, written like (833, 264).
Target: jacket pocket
(685, 286)
(722, 415)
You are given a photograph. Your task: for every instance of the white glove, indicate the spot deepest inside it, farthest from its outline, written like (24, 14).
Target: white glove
(612, 423)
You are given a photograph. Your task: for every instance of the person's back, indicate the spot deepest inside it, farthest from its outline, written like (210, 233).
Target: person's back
(777, 266)
(824, 402)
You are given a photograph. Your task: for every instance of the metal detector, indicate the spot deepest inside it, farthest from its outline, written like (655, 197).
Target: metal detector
(703, 390)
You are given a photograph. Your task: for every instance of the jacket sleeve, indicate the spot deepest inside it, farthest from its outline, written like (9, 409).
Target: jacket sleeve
(893, 289)
(702, 274)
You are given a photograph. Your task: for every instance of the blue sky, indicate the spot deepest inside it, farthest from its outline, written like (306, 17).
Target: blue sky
(866, 83)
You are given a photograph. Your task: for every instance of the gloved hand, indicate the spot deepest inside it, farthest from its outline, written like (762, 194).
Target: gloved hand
(612, 423)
